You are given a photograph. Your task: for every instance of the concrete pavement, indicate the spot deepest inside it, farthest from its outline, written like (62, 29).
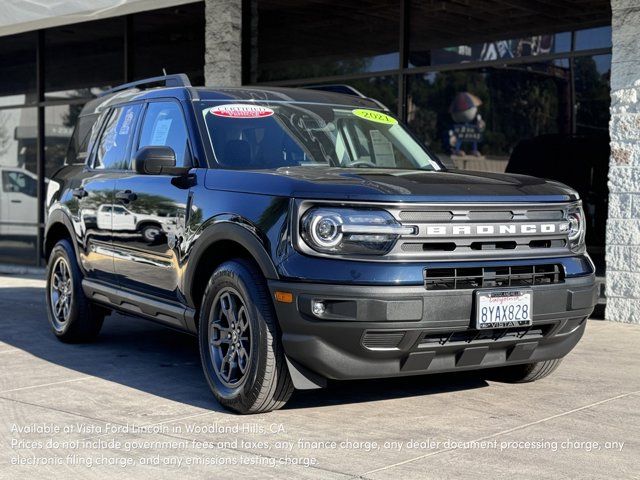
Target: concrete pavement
(135, 404)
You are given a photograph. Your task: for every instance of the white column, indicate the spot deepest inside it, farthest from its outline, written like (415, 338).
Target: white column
(623, 225)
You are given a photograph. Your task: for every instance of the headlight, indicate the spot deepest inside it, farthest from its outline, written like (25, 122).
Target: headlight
(351, 231)
(574, 216)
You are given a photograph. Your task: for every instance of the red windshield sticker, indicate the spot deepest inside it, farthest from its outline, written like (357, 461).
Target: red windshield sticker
(241, 110)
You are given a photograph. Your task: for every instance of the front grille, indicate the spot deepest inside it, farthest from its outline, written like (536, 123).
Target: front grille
(382, 340)
(482, 231)
(477, 336)
(478, 277)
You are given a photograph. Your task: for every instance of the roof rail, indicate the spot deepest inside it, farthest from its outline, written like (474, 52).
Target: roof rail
(175, 80)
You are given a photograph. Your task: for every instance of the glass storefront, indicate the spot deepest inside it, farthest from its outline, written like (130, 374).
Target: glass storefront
(293, 40)
(489, 86)
(493, 86)
(19, 195)
(39, 105)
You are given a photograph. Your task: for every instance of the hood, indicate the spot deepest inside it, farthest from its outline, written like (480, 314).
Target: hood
(390, 185)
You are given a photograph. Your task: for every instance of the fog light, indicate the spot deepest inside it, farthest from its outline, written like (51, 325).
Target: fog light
(317, 307)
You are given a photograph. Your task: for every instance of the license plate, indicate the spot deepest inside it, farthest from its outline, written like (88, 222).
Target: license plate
(503, 308)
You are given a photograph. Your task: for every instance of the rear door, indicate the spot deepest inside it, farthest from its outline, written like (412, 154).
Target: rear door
(150, 225)
(95, 195)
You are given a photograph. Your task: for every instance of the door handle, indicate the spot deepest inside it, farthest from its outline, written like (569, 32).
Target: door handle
(79, 192)
(126, 196)
(16, 201)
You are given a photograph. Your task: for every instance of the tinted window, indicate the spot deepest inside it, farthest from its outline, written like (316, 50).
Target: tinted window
(112, 148)
(79, 145)
(164, 126)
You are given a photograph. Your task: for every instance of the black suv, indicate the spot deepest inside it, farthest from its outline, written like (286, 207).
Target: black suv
(306, 236)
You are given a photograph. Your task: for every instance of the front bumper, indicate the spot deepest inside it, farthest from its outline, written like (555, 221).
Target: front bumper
(374, 331)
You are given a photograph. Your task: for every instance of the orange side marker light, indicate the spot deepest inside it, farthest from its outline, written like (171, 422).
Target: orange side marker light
(284, 297)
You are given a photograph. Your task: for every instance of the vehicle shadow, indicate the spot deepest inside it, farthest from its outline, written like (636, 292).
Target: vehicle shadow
(166, 363)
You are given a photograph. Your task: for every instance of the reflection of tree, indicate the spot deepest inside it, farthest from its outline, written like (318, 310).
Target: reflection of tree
(312, 69)
(70, 118)
(592, 93)
(517, 104)
(384, 89)
(524, 104)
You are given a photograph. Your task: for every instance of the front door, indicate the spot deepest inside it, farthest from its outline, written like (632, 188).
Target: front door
(150, 210)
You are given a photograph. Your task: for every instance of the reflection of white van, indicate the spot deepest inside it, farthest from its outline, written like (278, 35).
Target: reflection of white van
(18, 202)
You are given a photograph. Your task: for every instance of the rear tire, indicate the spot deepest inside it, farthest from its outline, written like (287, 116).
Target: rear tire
(242, 357)
(528, 372)
(72, 317)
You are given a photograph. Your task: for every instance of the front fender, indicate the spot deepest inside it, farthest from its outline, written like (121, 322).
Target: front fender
(226, 229)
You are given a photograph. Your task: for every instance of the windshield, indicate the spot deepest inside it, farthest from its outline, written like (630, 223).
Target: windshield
(272, 135)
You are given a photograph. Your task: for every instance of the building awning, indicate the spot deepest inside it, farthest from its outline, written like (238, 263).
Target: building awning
(17, 16)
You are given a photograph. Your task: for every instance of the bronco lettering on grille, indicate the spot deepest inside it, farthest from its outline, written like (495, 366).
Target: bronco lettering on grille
(496, 229)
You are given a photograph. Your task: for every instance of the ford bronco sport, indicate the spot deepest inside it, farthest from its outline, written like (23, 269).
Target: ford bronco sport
(306, 236)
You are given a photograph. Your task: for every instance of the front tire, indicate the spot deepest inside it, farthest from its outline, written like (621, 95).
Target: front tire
(72, 317)
(242, 357)
(528, 372)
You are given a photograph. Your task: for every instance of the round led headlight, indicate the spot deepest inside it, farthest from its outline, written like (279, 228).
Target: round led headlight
(575, 228)
(325, 230)
(575, 225)
(351, 231)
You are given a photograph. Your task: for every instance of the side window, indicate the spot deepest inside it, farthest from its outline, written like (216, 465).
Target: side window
(18, 182)
(164, 125)
(112, 147)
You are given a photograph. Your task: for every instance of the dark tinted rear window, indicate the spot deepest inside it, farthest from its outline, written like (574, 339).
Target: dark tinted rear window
(81, 139)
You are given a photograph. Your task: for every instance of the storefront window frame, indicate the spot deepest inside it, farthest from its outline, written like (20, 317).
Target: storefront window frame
(404, 70)
(41, 102)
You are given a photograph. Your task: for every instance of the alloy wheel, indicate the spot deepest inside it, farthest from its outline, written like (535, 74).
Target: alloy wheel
(230, 338)
(61, 292)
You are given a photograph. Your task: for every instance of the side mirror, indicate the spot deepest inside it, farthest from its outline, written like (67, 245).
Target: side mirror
(157, 160)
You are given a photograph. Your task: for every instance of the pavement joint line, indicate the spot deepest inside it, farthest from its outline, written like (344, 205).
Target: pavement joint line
(503, 432)
(46, 407)
(46, 384)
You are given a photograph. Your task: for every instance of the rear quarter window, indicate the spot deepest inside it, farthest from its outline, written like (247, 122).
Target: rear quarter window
(83, 137)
